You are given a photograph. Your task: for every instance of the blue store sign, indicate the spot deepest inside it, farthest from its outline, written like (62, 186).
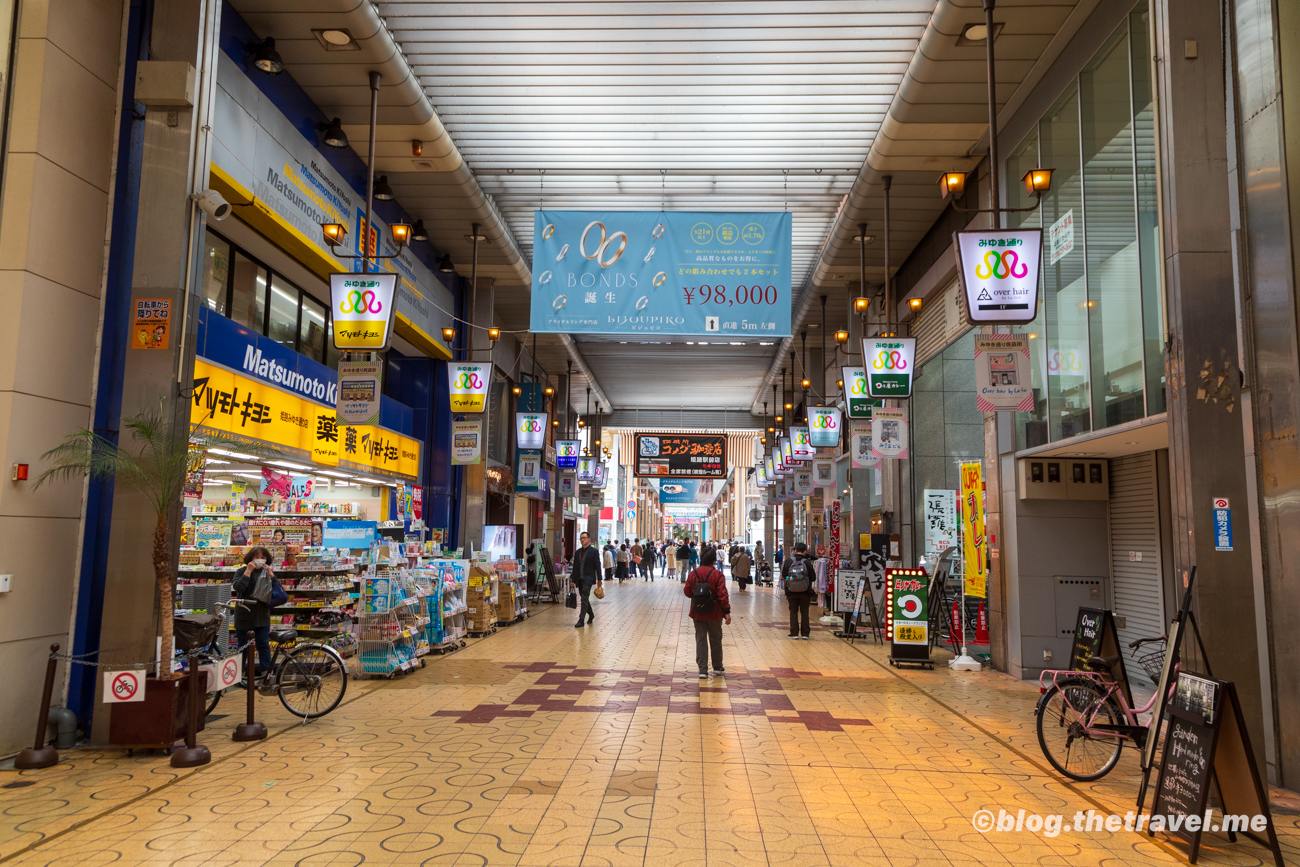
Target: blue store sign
(654, 272)
(1222, 524)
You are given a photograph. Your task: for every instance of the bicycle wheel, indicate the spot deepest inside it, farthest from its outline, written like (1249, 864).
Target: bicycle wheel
(214, 698)
(312, 681)
(1064, 715)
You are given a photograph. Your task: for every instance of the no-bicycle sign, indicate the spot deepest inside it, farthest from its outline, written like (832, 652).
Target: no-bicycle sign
(123, 686)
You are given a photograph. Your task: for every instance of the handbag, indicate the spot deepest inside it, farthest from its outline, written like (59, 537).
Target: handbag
(571, 601)
(599, 592)
(636, 558)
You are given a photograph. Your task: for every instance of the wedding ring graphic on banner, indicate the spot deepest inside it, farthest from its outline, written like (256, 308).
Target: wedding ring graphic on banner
(545, 278)
(559, 302)
(548, 231)
(563, 252)
(599, 253)
(658, 231)
(650, 255)
(642, 302)
(660, 279)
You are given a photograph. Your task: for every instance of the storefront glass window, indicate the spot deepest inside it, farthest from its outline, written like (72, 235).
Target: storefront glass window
(216, 272)
(311, 330)
(1114, 308)
(248, 293)
(282, 325)
(1031, 426)
(498, 425)
(1148, 230)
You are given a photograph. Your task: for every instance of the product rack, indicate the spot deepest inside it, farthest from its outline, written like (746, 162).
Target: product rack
(512, 592)
(390, 630)
(444, 603)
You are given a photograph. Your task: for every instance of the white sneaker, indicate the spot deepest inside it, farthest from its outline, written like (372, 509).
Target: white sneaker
(803, 638)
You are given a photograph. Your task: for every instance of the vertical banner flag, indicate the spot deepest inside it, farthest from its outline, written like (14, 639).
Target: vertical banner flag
(824, 426)
(940, 522)
(889, 433)
(999, 274)
(857, 397)
(530, 429)
(973, 542)
(361, 308)
(800, 447)
(688, 273)
(889, 365)
(860, 451)
(359, 391)
(1002, 382)
(566, 454)
(467, 384)
(824, 473)
(466, 442)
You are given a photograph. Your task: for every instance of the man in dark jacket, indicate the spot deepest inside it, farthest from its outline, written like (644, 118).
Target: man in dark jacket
(799, 589)
(708, 624)
(586, 575)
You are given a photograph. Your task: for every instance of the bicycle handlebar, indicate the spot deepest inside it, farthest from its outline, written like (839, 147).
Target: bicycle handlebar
(1134, 645)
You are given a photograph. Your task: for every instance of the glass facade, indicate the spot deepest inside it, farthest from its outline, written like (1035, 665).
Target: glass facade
(1097, 355)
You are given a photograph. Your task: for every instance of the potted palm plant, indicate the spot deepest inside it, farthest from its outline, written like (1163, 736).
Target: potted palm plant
(155, 461)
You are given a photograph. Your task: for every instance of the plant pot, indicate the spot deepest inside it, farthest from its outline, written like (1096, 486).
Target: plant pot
(157, 722)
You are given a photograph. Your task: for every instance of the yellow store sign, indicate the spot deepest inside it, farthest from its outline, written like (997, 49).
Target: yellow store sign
(245, 407)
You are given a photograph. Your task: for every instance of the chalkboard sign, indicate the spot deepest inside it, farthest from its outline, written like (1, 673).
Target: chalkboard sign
(1095, 635)
(1205, 737)
(548, 569)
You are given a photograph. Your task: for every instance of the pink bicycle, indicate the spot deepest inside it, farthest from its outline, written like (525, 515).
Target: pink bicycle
(1084, 717)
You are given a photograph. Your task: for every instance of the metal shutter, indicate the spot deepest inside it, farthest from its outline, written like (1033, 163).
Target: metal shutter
(1134, 527)
(939, 323)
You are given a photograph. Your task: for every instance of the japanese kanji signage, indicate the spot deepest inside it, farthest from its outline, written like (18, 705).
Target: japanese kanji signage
(999, 274)
(857, 397)
(359, 391)
(889, 365)
(1002, 373)
(466, 442)
(361, 308)
(587, 469)
(940, 522)
(824, 426)
(889, 434)
(699, 456)
(860, 450)
(973, 542)
(908, 607)
(467, 385)
(153, 318)
(801, 448)
(530, 429)
(725, 275)
(566, 454)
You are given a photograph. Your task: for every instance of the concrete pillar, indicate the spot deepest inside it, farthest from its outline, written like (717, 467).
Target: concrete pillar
(593, 516)
(1202, 357)
(473, 495)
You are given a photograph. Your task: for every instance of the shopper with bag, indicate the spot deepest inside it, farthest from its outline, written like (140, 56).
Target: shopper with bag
(797, 578)
(261, 591)
(586, 575)
(740, 567)
(710, 608)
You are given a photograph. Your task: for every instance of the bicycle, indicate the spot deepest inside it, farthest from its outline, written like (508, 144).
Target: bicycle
(1084, 718)
(310, 679)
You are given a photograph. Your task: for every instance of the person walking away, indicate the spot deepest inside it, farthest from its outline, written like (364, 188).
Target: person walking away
(665, 551)
(780, 557)
(695, 555)
(683, 560)
(797, 579)
(637, 554)
(585, 575)
(620, 561)
(740, 564)
(710, 608)
(607, 560)
(255, 614)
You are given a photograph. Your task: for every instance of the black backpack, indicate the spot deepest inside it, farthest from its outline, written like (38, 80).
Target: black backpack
(702, 600)
(800, 578)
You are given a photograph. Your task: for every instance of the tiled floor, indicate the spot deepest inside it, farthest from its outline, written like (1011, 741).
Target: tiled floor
(549, 745)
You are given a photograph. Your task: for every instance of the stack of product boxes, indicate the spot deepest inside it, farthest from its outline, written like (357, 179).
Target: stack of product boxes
(480, 614)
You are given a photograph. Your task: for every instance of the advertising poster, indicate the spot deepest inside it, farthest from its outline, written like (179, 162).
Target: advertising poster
(801, 448)
(860, 451)
(466, 442)
(999, 273)
(973, 545)
(823, 473)
(824, 426)
(940, 522)
(681, 455)
(686, 492)
(359, 391)
(286, 486)
(468, 385)
(909, 607)
(803, 482)
(1002, 381)
(568, 485)
(857, 396)
(889, 365)
(530, 429)
(889, 433)
(682, 272)
(361, 307)
(566, 454)
(195, 462)
(528, 473)
(153, 317)
(212, 534)
(279, 532)
(348, 534)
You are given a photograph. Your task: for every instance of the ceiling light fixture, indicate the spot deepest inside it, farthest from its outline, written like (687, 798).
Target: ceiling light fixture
(841, 337)
(914, 303)
(267, 59)
(334, 136)
(383, 192)
(952, 184)
(444, 264)
(419, 233)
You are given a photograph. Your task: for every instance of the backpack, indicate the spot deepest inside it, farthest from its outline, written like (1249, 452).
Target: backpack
(702, 599)
(799, 580)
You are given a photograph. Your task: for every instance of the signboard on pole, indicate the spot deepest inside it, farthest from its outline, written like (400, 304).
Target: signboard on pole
(823, 472)
(587, 469)
(857, 396)
(714, 274)
(889, 365)
(803, 483)
(467, 385)
(973, 542)
(787, 452)
(528, 472)
(466, 442)
(1002, 381)
(566, 454)
(361, 308)
(824, 426)
(860, 451)
(530, 429)
(599, 479)
(889, 433)
(698, 456)
(568, 485)
(940, 522)
(801, 448)
(999, 274)
(359, 391)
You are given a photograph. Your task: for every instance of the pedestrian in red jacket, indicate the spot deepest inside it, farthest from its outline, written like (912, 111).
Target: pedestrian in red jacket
(710, 608)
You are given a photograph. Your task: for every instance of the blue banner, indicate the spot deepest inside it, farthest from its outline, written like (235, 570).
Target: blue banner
(678, 492)
(693, 273)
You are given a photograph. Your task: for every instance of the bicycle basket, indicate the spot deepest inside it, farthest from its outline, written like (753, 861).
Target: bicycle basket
(1153, 663)
(194, 631)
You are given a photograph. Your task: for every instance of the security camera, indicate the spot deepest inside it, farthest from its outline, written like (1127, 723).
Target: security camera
(212, 204)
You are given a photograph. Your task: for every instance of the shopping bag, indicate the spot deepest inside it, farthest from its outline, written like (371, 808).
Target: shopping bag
(600, 592)
(571, 601)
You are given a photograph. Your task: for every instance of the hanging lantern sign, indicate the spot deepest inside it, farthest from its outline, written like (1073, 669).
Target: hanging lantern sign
(467, 385)
(530, 429)
(587, 469)
(566, 454)
(361, 307)
(599, 479)
(824, 426)
(999, 274)
(889, 365)
(787, 452)
(857, 398)
(800, 447)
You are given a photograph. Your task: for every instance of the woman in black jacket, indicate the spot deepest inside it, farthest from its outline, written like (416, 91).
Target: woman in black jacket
(257, 615)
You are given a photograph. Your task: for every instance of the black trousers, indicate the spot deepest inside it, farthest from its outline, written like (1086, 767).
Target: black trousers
(799, 603)
(584, 596)
(708, 636)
